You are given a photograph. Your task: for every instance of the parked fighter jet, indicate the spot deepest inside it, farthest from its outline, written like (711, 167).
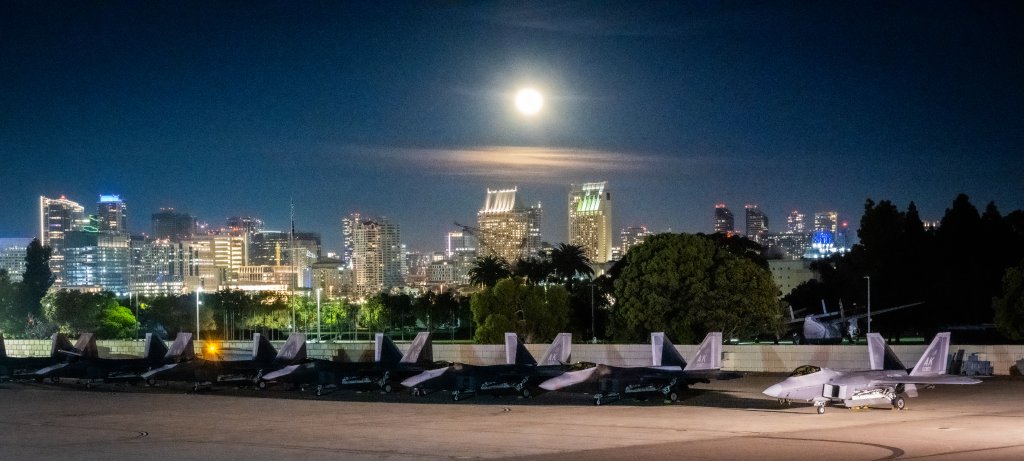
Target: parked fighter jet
(388, 368)
(519, 374)
(831, 327)
(24, 367)
(886, 383)
(668, 375)
(84, 362)
(205, 372)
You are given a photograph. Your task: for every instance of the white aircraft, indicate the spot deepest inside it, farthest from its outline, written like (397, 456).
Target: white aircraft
(886, 383)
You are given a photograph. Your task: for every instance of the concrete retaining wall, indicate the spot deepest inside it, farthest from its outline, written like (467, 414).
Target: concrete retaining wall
(757, 358)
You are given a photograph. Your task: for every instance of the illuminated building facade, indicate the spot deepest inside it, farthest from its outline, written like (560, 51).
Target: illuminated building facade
(158, 268)
(95, 261)
(757, 223)
(12, 257)
(725, 222)
(461, 253)
(377, 257)
(111, 214)
(632, 236)
(590, 219)
(795, 223)
(508, 229)
(826, 221)
(56, 218)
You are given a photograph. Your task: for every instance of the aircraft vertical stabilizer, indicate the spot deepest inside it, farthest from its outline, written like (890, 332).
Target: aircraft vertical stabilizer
(155, 349)
(559, 351)
(262, 350)
(420, 351)
(293, 349)
(3, 349)
(60, 342)
(86, 345)
(881, 356)
(709, 354)
(664, 353)
(385, 350)
(515, 351)
(933, 362)
(182, 349)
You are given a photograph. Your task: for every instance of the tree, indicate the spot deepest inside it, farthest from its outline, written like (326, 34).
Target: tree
(168, 314)
(75, 312)
(374, 315)
(436, 309)
(116, 322)
(488, 270)
(568, 262)
(12, 319)
(1009, 307)
(535, 313)
(534, 270)
(687, 285)
(37, 279)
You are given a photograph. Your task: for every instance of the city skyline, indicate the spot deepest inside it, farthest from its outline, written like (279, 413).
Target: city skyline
(406, 110)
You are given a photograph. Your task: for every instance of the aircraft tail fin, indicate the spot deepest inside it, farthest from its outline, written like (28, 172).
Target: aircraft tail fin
(515, 351)
(262, 350)
(664, 353)
(421, 350)
(559, 351)
(881, 356)
(86, 345)
(385, 350)
(293, 349)
(933, 361)
(60, 342)
(154, 349)
(182, 348)
(3, 349)
(709, 354)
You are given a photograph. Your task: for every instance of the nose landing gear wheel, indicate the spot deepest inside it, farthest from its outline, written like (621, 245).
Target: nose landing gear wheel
(899, 404)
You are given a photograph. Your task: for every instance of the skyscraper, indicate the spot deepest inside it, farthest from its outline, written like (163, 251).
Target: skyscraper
(508, 229)
(56, 217)
(111, 213)
(590, 219)
(377, 257)
(795, 223)
(96, 261)
(633, 236)
(725, 223)
(757, 223)
(826, 221)
(168, 224)
(12, 256)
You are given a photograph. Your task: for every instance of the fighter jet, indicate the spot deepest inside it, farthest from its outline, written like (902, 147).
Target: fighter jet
(388, 368)
(520, 373)
(831, 327)
(886, 383)
(24, 367)
(85, 364)
(203, 373)
(667, 376)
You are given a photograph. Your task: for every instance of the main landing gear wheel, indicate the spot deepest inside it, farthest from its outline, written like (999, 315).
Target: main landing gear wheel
(151, 382)
(525, 393)
(821, 409)
(899, 403)
(260, 384)
(387, 388)
(672, 396)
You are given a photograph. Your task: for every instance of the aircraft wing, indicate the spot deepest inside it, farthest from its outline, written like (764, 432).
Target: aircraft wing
(428, 376)
(923, 380)
(284, 373)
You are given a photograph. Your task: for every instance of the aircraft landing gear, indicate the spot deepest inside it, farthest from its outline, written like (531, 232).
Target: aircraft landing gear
(819, 407)
(898, 403)
(601, 399)
(387, 388)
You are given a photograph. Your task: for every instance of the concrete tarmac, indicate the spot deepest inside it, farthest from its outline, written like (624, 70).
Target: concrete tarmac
(728, 420)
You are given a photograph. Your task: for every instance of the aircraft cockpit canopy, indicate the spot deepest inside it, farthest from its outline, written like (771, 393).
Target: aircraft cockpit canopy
(805, 370)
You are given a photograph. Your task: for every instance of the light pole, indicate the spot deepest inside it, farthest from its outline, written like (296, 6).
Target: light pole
(593, 329)
(869, 302)
(318, 335)
(198, 291)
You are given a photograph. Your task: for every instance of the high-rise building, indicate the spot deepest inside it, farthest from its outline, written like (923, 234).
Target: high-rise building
(157, 268)
(12, 256)
(757, 223)
(95, 261)
(826, 221)
(590, 219)
(508, 229)
(172, 225)
(57, 217)
(377, 258)
(461, 252)
(795, 223)
(111, 213)
(725, 222)
(633, 236)
(244, 225)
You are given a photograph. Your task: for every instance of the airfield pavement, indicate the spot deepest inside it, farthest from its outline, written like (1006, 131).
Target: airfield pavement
(728, 420)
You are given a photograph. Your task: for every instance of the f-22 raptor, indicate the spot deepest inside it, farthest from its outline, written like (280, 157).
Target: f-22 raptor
(667, 376)
(886, 383)
(24, 367)
(521, 374)
(84, 362)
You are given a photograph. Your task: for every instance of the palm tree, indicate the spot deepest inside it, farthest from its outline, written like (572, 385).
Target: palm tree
(488, 270)
(534, 270)
(570, 261)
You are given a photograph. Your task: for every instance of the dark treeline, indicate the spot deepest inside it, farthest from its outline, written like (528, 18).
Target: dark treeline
(956, 268)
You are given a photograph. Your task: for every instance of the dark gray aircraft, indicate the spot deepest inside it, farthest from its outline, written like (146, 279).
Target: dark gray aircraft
(203, 373)
(388, 368)
(520, 374)
(886, 383)
(667, 376)
(84, 362)
(25, 367)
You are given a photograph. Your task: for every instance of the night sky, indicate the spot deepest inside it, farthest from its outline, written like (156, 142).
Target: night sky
(405, 109)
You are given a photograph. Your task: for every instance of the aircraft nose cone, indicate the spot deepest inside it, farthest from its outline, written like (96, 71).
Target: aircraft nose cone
(773, 391)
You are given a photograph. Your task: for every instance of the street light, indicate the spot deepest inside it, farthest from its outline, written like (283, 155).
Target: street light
(593, 329)
(198, 291)
(869, 302)
(318, 336)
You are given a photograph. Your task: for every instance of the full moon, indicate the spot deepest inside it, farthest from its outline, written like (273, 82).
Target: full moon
(529, 101)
